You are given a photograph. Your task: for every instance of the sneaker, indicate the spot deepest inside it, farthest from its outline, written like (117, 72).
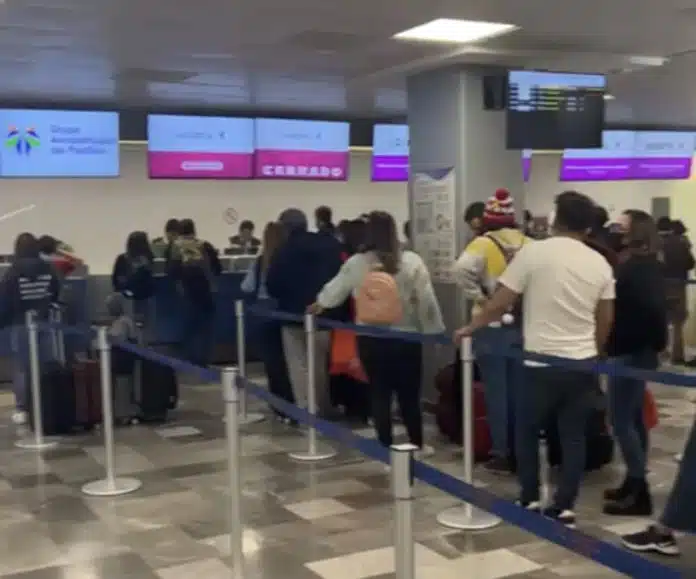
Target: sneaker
(636, 503)
(564, 516)
(424, 452)
(498, 465)
(652, 539)
(20, 417)
(618, 493)
(534, 506)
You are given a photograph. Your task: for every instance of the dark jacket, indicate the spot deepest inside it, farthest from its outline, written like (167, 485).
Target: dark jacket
(677, 256)
(240, 247)
(603, 248)
(133, 278)
(29, 284)
(300, 268)
(640, 322)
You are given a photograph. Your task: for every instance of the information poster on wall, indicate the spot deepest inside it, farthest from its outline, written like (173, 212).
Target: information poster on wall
(434, 218)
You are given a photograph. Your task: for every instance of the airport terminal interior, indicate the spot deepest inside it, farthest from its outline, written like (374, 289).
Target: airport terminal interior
(120, 116)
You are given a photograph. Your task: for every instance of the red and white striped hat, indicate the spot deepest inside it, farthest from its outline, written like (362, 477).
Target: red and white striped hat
(500, 209)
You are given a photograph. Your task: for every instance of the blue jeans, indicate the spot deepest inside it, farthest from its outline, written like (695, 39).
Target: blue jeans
(626, 399)
(21, 378)
(564, 396)
(198, 337)
(502, 378)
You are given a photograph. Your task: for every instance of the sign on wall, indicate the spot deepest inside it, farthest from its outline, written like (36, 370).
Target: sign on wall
(434, 218)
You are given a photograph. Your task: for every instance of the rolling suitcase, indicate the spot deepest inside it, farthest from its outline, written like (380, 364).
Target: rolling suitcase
(57, 400)
(125, 406)
(87, 381)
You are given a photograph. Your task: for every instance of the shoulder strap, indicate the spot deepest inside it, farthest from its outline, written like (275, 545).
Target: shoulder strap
(500, 247)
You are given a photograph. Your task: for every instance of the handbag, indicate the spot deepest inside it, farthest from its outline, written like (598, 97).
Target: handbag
(344, 359)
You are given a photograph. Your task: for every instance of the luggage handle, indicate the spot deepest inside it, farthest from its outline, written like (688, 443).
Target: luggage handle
(55, 316)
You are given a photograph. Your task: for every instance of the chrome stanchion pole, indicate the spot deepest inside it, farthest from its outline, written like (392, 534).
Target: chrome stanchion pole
(467, 517)
(38, 441)
(109, 486)
(402, 491)
(314, 453)
(244, 416)
(232, 397)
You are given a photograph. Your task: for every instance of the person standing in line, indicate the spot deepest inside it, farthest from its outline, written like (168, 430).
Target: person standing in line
(679, 261)
(161, 245)
(477, 271)
(323, 220)
(638, 337)
(298, 270)
(567, 292)
(30, 284)
(195, 266)
(393, 366)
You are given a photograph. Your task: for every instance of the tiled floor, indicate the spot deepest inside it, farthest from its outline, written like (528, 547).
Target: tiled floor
(331, 520)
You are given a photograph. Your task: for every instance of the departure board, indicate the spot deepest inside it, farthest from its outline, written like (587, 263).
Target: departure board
(552, 110)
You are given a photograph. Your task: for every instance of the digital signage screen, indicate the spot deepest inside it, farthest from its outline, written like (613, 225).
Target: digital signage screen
(663, 155)
(48, 143)
(185, 147)
(390, 144)
(614, 161)
(298, 149)
(554, 110)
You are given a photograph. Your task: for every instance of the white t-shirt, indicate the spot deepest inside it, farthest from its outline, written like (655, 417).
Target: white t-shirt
(561, 280)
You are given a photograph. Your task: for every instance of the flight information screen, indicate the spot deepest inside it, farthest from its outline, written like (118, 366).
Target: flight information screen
(552, 110)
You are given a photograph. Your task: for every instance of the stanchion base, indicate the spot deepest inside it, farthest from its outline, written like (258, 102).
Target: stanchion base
(463, 519)
(320, 454)
(31, 444)
(106, 488)
(251, 418)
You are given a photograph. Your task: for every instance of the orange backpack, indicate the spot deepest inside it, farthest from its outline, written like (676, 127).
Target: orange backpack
(377, 301)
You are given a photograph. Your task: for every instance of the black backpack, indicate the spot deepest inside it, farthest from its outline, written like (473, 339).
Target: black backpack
(140, 281)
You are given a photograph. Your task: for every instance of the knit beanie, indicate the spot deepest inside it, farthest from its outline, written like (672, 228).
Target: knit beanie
(499, 209)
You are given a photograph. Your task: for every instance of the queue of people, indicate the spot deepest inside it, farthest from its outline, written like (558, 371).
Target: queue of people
(589, 290)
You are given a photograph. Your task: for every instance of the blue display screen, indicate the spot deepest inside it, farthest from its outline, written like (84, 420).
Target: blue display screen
(42, 143)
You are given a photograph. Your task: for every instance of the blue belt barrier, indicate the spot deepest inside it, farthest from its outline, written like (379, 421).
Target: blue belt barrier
(611, 368)
(601, 552)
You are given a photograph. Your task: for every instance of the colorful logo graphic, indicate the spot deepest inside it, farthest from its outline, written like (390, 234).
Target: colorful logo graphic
(22, 141)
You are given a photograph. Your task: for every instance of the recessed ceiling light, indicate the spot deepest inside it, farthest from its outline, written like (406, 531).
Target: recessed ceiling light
(648, 60)
(455, 31)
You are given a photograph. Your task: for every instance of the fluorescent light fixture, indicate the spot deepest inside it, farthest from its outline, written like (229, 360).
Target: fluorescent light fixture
(455, 31)
(609, 97)
(648, 60)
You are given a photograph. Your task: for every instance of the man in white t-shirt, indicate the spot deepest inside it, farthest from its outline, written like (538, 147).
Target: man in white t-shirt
(568, 311)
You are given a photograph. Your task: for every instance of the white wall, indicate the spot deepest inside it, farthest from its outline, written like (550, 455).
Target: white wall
(95, 216)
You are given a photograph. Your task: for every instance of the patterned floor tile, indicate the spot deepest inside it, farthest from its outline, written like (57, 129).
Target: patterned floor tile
(318, 508)
(207, 568)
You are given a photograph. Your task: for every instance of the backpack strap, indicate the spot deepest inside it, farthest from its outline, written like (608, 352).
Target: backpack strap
(500, 247)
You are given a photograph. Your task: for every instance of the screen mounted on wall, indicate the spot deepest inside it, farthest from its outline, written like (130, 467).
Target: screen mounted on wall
(298, 149)
(611, 162)
(551, 110)
(184, 147)
(663, 154)
(45, 143)
(390, 147)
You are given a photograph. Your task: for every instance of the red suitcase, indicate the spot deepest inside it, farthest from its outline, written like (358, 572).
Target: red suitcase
(87, 379)
(448, 412)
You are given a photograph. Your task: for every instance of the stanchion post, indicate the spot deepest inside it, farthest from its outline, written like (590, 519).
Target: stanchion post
(402, 491)
(110, 486)
(232, 397)
(314, 453)
(467, 517)
(36, 442)
(244, 416)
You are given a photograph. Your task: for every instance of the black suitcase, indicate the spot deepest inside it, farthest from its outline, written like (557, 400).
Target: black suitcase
(58, 400)
(158, 391)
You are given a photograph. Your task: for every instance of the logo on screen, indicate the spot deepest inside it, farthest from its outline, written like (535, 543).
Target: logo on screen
(22, 141)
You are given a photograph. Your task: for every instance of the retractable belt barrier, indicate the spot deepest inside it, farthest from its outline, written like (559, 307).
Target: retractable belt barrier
(611, 368)
(604, 553)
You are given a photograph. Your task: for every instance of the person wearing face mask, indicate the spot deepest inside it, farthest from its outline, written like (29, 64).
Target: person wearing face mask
(638, 336)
